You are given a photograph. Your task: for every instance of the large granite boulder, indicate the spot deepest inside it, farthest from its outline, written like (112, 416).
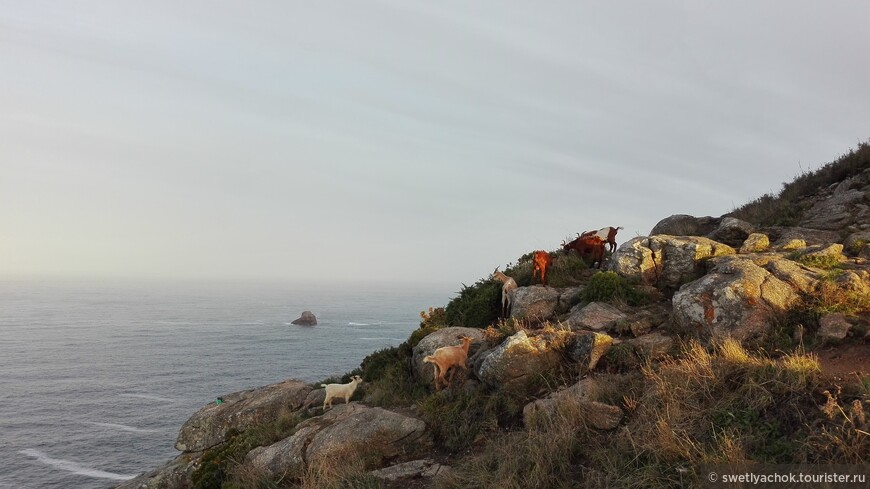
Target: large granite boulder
(240, 411)
(174, 475)
(732, 231)
(535, 303)
(595, 316)
(443, 337)
(736, 298)
(784, 238)
(586, 348)
(755, 243)
(521, 358)
(377, 435)
(858, 244)
(666, 261)
(844, 208)
(686, 225)
(575, 399)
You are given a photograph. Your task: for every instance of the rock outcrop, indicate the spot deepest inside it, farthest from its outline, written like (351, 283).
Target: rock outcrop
(240, 411)
(306, 319)
(737, 298)
(521, 358)
(375, 434)
(666, 261)
(535, 304)
(686, 225)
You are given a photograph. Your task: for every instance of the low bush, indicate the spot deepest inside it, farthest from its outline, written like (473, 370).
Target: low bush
(476, 306)
(219, 463)
(609, 286)
(456, 419)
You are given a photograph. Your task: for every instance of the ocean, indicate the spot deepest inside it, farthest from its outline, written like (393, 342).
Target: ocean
(97, 378)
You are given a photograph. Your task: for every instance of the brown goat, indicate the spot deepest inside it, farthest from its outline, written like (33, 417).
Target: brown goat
(588, 245)
(542, 262)
(607, 234)
(446, 357)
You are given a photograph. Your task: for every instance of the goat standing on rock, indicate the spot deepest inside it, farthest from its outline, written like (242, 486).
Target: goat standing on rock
(506, 290)
(446, 357)
(340, 390)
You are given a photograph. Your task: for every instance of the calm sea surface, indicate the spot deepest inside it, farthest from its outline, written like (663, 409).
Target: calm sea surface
(97, 378)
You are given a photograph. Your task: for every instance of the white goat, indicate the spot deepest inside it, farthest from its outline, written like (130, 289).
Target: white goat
(506, 291)
(448, 356)
(340, 390)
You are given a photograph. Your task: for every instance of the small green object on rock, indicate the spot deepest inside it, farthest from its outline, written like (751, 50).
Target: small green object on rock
(219, 400)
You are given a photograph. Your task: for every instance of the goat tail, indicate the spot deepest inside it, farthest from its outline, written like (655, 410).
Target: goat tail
(429, 359)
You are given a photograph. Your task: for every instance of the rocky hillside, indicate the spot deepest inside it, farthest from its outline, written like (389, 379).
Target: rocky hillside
(715, 340)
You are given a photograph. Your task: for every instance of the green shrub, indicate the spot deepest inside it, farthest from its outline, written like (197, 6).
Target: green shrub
(455, 420)
(609, 286)
(476, 306)
(218, 463)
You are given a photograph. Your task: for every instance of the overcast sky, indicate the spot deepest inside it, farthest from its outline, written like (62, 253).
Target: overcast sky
(403, 140)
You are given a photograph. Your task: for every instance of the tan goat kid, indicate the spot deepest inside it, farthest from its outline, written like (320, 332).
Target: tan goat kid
(446, 357)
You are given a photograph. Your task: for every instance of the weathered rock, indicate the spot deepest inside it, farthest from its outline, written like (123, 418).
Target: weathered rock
(306, 319)
(792, 244)
(853, 282)
(798, 276)
(587, 347)
(635, 260)
(286, 456)
(666, 261)
(781, 236)
(520, 359)
(443, 337)
(568, 297)
(380, 433)
(820, 251)
(640, 326)
(596, 316)
(535, 303)
(374, 433)
(573, 399)
(240, 411)
(732, 232)
(686, 225)
(858, 244)
(834, 327)
(414, 469)
(840, 210)
(174, 475)
(652, 345)
(755, 243)
(602, 416)
(736, 298)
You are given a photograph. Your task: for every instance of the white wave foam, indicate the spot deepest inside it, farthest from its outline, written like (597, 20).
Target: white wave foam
(358, 324)
(122, 427)
(74, 467)
(149, 397)
(382, 339)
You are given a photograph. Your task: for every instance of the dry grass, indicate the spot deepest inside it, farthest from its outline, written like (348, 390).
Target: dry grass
(709, 406)
(345, 468)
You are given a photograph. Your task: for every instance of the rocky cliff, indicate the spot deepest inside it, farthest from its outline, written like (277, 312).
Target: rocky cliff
(708, 318)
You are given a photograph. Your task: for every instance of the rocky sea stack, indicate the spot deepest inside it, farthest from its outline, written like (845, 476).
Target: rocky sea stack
(306, 319)
(738, 339)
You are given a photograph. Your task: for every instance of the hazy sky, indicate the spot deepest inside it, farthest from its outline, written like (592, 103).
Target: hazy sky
(400, 140)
